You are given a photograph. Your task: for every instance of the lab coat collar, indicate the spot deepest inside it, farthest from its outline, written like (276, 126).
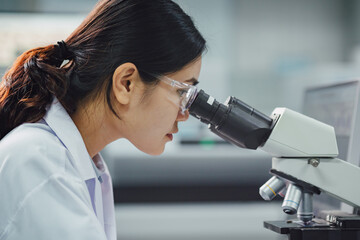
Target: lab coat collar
(61, 123)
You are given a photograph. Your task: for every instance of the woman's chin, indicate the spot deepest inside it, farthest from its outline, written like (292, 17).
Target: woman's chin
(153, 151)
(156, 152)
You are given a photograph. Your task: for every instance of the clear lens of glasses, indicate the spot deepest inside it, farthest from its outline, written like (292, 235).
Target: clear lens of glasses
(187, 92)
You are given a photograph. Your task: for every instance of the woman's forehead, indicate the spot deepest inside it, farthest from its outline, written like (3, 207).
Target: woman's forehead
(188, 74)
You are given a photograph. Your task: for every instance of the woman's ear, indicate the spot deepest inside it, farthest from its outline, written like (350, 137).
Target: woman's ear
(123, 80)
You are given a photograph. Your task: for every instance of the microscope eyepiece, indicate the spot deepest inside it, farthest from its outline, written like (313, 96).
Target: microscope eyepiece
(233, 121)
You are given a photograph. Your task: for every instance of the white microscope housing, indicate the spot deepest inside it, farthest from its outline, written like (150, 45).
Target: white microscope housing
(304, 151)
(304, 159)
(296, 135)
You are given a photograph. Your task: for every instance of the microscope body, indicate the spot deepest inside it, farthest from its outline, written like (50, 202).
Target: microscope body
(304, 161)
(306, 150)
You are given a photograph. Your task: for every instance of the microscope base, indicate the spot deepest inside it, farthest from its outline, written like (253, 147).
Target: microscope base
(317, 231)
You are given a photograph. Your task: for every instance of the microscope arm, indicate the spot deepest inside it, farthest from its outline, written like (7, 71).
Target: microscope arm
(334, 176)
(305, 149)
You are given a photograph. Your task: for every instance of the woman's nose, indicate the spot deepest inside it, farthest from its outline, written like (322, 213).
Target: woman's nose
(182, 116)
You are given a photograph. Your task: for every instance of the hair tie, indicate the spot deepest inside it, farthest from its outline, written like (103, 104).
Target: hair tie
(64, 52)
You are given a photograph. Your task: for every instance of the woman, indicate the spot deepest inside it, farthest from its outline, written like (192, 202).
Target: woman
(126, 70)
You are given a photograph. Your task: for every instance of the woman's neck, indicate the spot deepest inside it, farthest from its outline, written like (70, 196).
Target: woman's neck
(92, 122)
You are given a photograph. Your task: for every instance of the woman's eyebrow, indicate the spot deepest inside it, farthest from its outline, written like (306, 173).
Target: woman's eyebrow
(192, 81)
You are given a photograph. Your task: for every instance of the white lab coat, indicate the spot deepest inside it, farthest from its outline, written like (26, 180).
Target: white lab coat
(49, 185)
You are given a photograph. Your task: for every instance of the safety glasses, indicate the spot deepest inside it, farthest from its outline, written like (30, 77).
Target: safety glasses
(186, 92)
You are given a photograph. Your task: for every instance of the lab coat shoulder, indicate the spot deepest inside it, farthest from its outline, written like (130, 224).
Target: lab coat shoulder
(40, 187)
(29, 148)
(30, 154)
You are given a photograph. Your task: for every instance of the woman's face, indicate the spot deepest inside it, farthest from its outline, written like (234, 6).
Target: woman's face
(155, 118)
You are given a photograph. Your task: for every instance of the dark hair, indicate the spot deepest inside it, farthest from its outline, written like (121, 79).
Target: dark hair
(156, 36)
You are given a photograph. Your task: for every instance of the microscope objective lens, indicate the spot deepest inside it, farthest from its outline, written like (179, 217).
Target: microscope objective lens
(292, 199)
(271, 188)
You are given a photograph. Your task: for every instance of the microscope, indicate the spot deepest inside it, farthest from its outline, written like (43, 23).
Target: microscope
(304, 163)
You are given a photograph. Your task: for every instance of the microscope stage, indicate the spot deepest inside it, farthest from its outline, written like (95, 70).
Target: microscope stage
(319, 229)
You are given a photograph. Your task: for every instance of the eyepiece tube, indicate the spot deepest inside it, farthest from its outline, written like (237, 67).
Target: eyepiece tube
(205, 107)
(250, 110)
(233, 121)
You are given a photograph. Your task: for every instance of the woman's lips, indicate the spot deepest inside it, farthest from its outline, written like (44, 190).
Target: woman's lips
(170, 136)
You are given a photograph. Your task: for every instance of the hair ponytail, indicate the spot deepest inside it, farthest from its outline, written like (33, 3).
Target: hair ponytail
(29, 85)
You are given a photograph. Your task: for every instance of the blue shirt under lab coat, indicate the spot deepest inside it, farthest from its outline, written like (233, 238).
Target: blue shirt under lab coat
(50, 188)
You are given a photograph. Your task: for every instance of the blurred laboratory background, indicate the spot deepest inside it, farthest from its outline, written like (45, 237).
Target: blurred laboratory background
(266, 53)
